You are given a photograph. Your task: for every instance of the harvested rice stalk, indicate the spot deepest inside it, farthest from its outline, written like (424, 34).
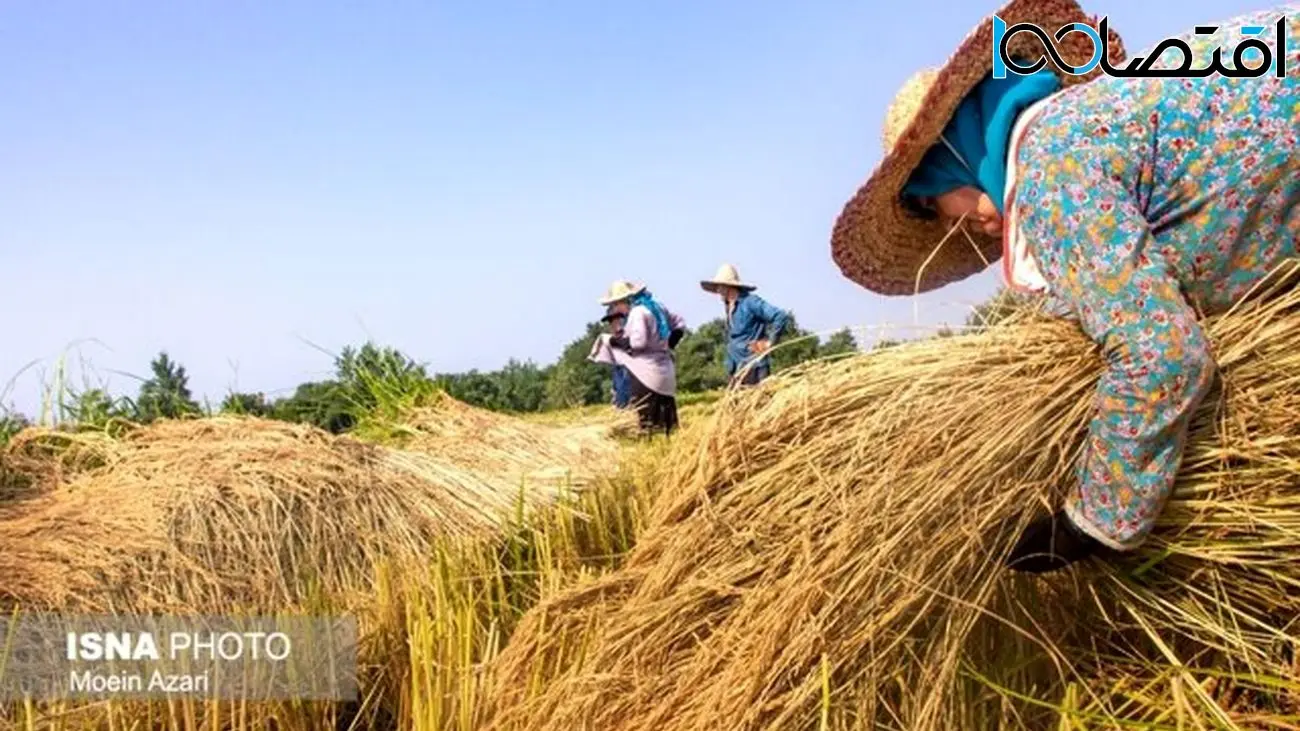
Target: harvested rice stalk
(259, 513)
(45, 458)
(513, 448)
(828, 555)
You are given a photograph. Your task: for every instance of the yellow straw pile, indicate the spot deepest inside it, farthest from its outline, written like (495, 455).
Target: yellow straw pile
(827, 555)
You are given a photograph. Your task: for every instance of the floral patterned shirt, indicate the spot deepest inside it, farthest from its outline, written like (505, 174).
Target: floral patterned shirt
(1148, 203)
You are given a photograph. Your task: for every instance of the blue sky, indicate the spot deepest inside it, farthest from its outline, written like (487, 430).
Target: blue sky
(230, 179)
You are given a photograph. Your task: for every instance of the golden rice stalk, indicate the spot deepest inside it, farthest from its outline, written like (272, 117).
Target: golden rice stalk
(827, 554)
(253, 512)
(513, 448)
(41, 458)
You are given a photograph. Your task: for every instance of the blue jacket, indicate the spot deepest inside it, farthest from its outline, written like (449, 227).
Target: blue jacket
(753, 319)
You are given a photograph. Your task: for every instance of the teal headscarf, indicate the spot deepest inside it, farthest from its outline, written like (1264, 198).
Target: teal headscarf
(980, 130)
(647, 300)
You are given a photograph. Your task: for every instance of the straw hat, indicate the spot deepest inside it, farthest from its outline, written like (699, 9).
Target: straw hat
(727, 276)
(621, 290)
(877, 242)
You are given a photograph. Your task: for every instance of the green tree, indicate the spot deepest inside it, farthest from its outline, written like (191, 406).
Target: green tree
(518, 387)
(166, 395)
(576, 381)
(839, 343)
(701, 358)
(321, 403)
(246, 404)
(522, 386)
(473, 387)
(795, 347)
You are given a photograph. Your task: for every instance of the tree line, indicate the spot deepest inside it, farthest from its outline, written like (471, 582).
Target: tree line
(370, 379)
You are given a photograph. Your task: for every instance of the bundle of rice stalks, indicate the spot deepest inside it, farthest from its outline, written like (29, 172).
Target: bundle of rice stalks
(516, 449)
(241, 511)
(828, 554)
(39, 459)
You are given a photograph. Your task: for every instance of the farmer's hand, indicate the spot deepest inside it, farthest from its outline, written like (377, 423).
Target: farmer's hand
(1050, 543)
(674, 338)
(758, 347)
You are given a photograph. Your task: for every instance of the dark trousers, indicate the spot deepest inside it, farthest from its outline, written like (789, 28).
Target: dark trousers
(655, 411)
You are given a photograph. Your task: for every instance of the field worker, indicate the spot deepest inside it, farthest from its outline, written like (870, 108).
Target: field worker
(1136, 202)
(644, 348)
(615, 320)
(753, 325)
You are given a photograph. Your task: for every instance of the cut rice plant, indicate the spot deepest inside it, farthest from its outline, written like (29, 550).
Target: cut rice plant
(827, 553)
(821, 552)
(458, 628)
(230, 515)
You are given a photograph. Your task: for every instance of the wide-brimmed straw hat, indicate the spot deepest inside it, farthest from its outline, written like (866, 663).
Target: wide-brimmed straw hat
(877, 242)
(621, 290)
(727, 276)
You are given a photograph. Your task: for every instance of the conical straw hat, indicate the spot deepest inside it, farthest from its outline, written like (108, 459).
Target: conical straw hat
(727, 276)
(621, 290)
(877, 242)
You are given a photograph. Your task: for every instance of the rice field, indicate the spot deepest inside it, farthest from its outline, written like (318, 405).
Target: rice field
(451, 530)
(822, 552)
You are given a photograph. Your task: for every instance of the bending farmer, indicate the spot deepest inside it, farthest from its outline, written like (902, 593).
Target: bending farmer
(644, 348)
(1136, 202)
(753, 325)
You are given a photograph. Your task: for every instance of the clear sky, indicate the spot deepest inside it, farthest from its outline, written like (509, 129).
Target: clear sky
(228, 179)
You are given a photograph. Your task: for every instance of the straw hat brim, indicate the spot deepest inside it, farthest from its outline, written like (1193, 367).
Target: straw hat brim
(713, 285)
(609, 300)
(881, 245)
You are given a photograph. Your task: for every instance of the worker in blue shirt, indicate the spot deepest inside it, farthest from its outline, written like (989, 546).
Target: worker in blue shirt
(753, 325)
